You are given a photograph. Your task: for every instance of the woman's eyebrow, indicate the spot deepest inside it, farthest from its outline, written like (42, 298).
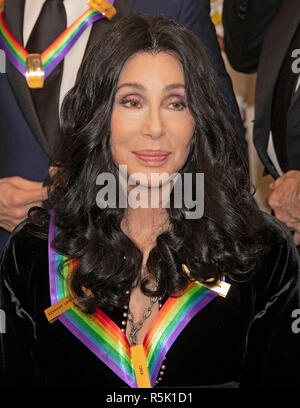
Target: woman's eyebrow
(174, 86)
(141, 87)
(132, 85)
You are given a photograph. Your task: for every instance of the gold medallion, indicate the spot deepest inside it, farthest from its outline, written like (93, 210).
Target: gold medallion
(221, 287)
(1, 5)
(139, 362)
(104, 7)
(34, 71)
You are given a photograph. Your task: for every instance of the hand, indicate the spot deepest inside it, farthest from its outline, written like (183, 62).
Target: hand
(17, 196)
(285, 201)
(297, 238)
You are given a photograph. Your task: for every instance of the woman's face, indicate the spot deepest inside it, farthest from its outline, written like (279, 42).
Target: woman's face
(151, 125)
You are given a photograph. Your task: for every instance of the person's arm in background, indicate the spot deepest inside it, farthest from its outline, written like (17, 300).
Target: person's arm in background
(196, 16)
(245, 23)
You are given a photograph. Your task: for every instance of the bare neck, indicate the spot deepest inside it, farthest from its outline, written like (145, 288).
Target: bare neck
(143, 225)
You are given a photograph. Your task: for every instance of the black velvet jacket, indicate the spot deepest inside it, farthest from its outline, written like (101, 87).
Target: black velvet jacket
(248, 339)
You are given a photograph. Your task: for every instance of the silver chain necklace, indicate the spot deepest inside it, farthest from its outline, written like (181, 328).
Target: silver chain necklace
(136, 327)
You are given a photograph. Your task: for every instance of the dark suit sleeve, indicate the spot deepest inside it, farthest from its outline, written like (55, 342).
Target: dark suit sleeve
(17, 341)
(245, 23)
(196, 16)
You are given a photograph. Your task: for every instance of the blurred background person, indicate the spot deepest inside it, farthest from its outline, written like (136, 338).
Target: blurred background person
(264, 37)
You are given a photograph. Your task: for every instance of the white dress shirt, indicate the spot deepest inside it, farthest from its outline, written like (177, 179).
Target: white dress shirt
(72, 61)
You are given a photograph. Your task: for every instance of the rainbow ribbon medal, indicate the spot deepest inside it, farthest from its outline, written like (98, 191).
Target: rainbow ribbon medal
(36, 68)
(106, 340)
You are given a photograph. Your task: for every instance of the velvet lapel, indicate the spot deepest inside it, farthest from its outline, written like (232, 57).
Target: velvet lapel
(13, 16)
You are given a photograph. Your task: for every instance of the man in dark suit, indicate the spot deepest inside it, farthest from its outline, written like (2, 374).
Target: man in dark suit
(25, 146)
(264, 36)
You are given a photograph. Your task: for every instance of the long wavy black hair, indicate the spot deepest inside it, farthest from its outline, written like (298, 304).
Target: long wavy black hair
(225, 241)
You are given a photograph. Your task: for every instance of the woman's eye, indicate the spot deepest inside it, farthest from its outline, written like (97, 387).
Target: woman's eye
(131, 103)
(177, 105)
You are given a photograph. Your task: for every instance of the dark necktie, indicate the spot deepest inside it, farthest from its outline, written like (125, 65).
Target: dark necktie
(51, 23)
(284, 90)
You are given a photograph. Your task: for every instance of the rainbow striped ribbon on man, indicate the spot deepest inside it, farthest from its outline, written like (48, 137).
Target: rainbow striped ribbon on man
(53, 55)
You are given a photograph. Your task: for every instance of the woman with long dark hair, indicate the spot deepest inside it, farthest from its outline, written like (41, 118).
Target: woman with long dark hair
(198, 290)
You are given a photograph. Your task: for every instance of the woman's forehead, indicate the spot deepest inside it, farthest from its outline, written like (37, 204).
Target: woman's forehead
(145, 66)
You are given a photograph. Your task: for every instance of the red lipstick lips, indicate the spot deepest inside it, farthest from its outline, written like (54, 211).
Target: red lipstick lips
(152, 157)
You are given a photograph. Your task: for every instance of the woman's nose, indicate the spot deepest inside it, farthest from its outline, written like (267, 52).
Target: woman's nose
(153, 124)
